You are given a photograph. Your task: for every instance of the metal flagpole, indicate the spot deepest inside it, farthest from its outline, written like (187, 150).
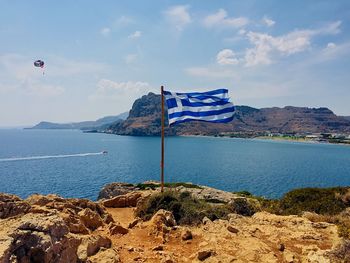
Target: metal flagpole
(162, 141)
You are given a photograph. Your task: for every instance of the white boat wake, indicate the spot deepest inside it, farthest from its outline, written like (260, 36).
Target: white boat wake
(12, 159)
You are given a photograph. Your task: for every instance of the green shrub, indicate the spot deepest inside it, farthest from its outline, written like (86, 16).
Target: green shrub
(243, 193)
(243, 207)
(186, 185)
(318, 200)
(186, 209)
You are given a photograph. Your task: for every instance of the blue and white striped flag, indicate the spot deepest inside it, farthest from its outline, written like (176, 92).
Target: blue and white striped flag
(211, 106)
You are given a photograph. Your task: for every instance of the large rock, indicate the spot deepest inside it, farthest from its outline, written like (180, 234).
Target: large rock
(163, 217)
(204, 254)
(90, 245)
(37, 238)
(127, 200)
(69, 205)
(106, 256)
(117, 229)
(74, 223)
(209, 194)
(42, 200)
(90, 219)
(11, 205)
(115, 189)
(51, 229)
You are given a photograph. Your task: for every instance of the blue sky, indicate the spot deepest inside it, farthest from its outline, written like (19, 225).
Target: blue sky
(102, 55)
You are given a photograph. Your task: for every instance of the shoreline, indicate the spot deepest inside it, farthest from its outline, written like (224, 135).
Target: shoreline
(267, 138)
(262, 138)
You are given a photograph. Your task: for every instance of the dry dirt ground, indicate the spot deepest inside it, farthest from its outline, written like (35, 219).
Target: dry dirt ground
(261, 238)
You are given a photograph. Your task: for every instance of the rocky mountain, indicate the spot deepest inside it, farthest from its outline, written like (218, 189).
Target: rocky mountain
(145, 118)
(84, 125)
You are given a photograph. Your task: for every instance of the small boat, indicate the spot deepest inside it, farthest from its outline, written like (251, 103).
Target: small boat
(104, 152)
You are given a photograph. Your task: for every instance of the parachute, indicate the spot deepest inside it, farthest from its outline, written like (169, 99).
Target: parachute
(39, 63)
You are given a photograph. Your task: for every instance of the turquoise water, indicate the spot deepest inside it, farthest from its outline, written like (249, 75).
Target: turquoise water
(71, 164)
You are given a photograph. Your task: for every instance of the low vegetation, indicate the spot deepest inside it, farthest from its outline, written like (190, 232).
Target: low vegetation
(323, 201)
(186, 209)
(319, 200)
(167, 185)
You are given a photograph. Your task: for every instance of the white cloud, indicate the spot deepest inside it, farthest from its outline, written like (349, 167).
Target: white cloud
(268, 21)
(220, 19)
(332, 51)
(105, 31)
(178, 16)
(135, 35)
(226, 57)
(266, 46)
(211, 73)
(329, 29)
(123, 21)
(63, 67)
(331, 45)
(111, 90)
(247, 83)
(242, 31)
(35, 87)
(130, 58)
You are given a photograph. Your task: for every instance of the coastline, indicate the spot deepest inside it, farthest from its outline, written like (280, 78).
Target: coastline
(269, 138)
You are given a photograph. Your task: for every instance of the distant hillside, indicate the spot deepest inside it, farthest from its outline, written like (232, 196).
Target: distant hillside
(144, 120)
(84, 125)
(347, 117)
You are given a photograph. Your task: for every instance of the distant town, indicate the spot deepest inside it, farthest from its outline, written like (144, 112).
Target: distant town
(313, 137)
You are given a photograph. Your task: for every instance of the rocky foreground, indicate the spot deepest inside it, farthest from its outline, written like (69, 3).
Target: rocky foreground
(54, 229)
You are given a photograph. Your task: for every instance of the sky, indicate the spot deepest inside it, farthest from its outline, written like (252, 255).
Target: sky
(102, 55)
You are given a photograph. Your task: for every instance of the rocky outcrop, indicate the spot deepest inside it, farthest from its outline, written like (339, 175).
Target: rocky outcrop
(116, 189)
(37, 238)
(260, 238)
(11, 205)
(127, 195)
(54, 229)
(209, 194)
(163, 218)
(106, 256)
(90, 219)
(116, 229)
(90, 245)
(51, 229)
(127, 200)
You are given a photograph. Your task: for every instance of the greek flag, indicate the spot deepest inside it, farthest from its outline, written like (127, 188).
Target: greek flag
(211, 106)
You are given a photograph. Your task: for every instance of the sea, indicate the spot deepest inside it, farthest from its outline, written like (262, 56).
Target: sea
(72, 163)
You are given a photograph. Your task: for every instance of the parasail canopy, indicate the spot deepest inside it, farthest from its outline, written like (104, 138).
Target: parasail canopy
(39, 63)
